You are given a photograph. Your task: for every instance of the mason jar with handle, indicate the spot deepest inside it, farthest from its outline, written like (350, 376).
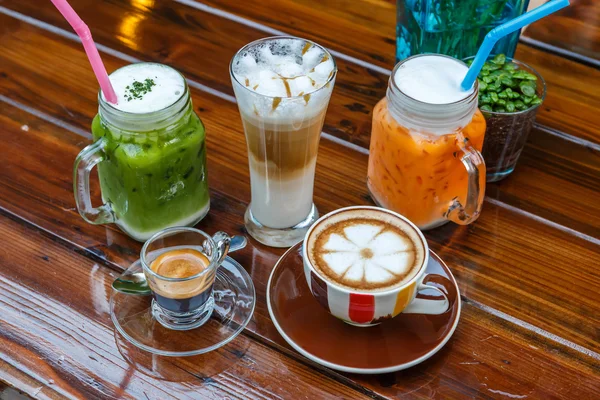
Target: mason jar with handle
(425, 161)
(151, 156)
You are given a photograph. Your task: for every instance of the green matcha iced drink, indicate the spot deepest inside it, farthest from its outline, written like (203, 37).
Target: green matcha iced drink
(151, 154)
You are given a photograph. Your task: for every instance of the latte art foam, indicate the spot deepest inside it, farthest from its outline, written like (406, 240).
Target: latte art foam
(366, 250)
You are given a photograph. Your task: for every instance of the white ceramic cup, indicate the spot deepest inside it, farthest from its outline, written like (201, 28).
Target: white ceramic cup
(368, 308)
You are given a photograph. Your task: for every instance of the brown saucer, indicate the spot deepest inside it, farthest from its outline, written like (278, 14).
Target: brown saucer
(396, 344)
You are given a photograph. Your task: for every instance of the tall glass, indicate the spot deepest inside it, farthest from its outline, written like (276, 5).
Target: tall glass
(282, 134)
(152, 167)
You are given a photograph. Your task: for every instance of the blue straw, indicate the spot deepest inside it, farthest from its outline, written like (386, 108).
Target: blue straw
(502, 30)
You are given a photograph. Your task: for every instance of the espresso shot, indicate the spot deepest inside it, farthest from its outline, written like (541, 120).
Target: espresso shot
(181, 296)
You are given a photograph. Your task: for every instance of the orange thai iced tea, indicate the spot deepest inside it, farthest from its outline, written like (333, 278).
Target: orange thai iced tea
(424, 158)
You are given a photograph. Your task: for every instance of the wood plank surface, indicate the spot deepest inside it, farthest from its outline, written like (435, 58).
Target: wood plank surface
(531, 190)
(9, 393)
(500, 256)
(336, 164)
(179, 31)
(575, 29)
(69, 341)
(529, 323)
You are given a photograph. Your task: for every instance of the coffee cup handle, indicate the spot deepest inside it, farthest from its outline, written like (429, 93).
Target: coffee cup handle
(223, 241)
(226, 244)
(428, 306)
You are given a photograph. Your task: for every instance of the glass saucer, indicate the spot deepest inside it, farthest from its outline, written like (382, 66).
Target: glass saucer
(234, 298)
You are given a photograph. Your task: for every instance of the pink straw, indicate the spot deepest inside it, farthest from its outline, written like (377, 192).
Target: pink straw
(84, 34)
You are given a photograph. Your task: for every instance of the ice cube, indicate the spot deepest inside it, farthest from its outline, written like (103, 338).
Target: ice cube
(288, 68)
(311, 58)
(265, 56)
(266, 74)
(247, 64)
(252, 80)
(301, 85)
(270, 84)
(322, 71)
(295, 46)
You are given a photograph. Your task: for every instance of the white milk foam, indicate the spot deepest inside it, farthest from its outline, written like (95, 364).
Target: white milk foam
(169, 86)
(432, 79)
(286, 68)
(363, 252)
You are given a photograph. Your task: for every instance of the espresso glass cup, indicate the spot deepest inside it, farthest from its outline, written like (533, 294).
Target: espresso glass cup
(183, 303)
(368, 308)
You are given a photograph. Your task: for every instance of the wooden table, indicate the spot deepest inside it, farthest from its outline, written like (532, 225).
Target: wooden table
(527, 269)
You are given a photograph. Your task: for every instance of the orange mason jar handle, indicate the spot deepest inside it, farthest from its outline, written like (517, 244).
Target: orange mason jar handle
(475, 166)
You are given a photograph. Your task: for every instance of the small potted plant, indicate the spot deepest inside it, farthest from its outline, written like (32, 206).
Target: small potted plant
(510, 93)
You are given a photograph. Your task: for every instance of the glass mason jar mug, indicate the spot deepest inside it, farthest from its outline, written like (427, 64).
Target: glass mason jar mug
(425, 161)
(152, 168)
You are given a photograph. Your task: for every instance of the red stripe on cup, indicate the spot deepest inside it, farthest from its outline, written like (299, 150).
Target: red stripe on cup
(319, 289)
(361, 308)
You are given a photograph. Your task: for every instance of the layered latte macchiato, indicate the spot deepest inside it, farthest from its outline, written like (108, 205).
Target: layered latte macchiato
(282, 86)
(366, 250)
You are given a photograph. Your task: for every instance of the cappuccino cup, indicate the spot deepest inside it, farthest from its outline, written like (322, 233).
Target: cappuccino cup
(367, 264)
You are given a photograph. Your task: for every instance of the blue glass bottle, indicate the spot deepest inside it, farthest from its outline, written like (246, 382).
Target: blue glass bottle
(453, 27)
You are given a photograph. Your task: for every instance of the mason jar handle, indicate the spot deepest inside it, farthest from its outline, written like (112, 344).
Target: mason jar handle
(86, 160)
(475, 166)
